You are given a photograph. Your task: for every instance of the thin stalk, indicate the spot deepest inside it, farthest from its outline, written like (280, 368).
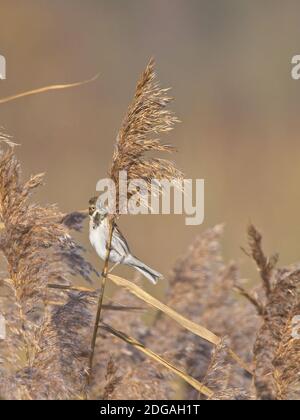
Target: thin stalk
(46, 89)
(100, 304)
(70, 288)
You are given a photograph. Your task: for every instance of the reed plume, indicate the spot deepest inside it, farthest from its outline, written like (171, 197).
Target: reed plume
(286, 361)
(276, 375)
(147, 117)
(219, 374)
(202, 288)
(38, 250)
(271, 368)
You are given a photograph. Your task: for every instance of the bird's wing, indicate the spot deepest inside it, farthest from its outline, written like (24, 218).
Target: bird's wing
(120, 241)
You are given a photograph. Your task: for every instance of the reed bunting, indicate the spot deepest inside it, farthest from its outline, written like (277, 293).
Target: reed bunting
(120, 253)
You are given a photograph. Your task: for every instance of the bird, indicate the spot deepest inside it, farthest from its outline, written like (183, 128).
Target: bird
(119, 252)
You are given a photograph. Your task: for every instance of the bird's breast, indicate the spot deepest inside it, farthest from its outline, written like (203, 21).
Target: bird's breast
(98, 240)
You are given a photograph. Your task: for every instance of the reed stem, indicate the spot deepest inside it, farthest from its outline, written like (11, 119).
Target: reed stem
(100, 304)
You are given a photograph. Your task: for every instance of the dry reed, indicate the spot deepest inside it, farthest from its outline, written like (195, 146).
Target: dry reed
(147, 116)
(276, 373)
(38, 249)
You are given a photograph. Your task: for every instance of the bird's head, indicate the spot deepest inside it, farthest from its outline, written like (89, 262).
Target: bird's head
(96, 207)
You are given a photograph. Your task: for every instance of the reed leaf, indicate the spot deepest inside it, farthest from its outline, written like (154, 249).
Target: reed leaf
(133, 342)
(184, 322)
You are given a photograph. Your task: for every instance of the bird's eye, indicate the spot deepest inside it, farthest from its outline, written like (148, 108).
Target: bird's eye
(92, 209)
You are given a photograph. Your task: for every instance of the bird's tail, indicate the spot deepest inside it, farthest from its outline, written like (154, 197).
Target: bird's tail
(148, 272)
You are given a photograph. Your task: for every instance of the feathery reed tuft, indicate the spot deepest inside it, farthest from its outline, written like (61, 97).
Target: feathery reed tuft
(270, 366)
(38, 250)
(147, 117)
(202, 290)
(276, 374)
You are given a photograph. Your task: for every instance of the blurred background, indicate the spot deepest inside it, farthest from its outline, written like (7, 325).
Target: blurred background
(229, 64)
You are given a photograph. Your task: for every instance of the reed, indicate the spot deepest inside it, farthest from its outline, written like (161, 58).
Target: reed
(147, 115)
(38, 249)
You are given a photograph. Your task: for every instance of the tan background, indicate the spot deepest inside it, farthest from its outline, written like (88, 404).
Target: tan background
(229, 65)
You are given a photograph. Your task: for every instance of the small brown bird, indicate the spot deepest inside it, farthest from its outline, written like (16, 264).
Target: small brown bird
(120, 253)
